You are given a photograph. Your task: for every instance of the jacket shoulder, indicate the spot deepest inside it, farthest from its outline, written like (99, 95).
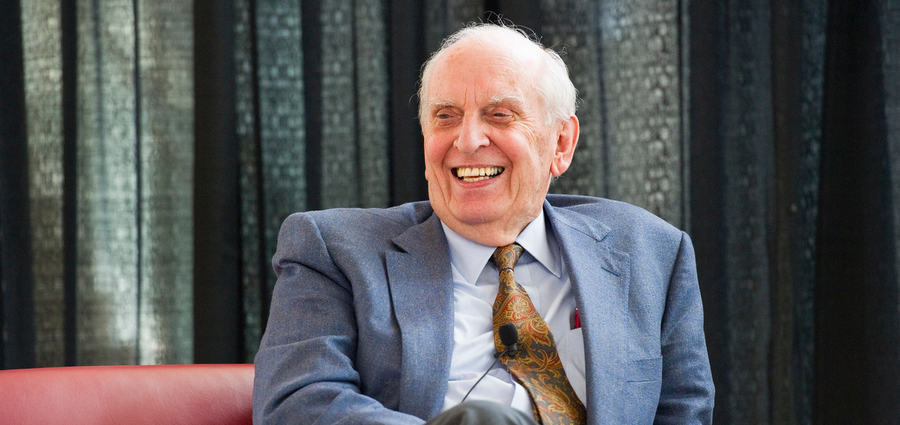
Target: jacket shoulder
(610, 212)
(365, 228)
(623, 224)
(361, 219)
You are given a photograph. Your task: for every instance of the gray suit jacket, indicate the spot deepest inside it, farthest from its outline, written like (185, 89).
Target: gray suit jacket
(361, 324)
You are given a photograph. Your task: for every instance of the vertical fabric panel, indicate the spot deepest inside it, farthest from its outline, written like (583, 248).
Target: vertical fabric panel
(747, 132)
(889, 18)
(371, 93)
(888, 12)
(339, 180)
(17, 339)
(282, 117)
(70, 125)
(166, 137)
(755, 123)
(798, 33)
(704, 20)
(43, 91)
(254, 268)
(857, 297)
(218, 319)
(642, 99)
(107, 250)
(272, 139)
(572, 28)
(408, 22)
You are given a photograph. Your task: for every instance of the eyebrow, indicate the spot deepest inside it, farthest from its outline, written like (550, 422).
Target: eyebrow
(509, 98)
(513, 98)
(440, 104)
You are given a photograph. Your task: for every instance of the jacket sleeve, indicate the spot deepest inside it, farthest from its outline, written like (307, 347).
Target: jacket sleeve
(305, 367)
(687, 391)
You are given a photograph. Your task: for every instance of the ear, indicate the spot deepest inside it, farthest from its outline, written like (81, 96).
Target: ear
(565, 146)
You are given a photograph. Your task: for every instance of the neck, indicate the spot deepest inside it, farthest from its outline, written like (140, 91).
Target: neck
(488, 235)
(492, 234)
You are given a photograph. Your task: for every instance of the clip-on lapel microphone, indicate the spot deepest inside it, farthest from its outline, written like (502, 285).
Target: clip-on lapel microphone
(509, 336)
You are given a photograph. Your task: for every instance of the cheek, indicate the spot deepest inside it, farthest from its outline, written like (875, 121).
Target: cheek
(434, 157)
(537, 142)
(437, 144)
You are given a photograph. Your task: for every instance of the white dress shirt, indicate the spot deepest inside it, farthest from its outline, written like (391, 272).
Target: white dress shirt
(542, 273)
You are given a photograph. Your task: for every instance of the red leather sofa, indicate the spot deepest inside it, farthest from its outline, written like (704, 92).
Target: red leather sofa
(171, 394)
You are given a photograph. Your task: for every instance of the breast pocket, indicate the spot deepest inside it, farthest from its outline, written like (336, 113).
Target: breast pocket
(571, 352)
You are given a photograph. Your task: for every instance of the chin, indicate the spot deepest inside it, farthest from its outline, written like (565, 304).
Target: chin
(476, 212)
(471, 219)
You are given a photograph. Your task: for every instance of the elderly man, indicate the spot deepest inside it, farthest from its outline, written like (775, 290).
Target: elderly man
(494, 302)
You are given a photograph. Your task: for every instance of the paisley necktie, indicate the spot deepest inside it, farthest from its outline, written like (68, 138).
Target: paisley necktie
(536, 365)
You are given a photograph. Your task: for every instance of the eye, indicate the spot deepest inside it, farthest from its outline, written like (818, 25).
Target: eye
(445, 117)
(500, 115)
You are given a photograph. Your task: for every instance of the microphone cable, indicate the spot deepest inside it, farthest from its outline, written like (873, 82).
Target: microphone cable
(509, 336)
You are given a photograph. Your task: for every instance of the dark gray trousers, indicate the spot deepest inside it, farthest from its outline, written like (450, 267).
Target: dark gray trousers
(482, 413)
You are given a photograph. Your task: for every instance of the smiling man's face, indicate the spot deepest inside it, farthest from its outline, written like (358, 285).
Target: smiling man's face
(489, 149)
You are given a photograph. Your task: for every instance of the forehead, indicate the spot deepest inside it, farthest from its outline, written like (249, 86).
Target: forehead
(483, 71)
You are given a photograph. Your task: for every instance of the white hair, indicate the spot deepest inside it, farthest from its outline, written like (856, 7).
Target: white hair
(555, 89)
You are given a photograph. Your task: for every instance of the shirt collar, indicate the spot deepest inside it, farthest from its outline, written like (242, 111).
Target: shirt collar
(470, 257)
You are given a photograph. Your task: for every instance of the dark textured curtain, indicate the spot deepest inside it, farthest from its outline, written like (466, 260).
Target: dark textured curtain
(98, 140)
(150, 150)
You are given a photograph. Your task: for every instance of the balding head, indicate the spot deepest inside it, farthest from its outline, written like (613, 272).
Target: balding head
(548, 74)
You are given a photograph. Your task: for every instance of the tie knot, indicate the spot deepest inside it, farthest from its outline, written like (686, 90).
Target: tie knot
(505, 257)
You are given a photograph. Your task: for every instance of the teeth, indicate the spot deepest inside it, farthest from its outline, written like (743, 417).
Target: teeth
(477, 174)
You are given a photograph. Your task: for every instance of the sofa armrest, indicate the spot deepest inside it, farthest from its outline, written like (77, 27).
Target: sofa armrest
(165, 394)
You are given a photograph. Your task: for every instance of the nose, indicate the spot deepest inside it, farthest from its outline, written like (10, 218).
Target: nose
(472, 135)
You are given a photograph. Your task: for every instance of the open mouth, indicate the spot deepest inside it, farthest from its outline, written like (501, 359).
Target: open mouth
(477, 174)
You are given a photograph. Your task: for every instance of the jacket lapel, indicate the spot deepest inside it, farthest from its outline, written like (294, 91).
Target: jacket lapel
(422, 294)
(600, 278)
